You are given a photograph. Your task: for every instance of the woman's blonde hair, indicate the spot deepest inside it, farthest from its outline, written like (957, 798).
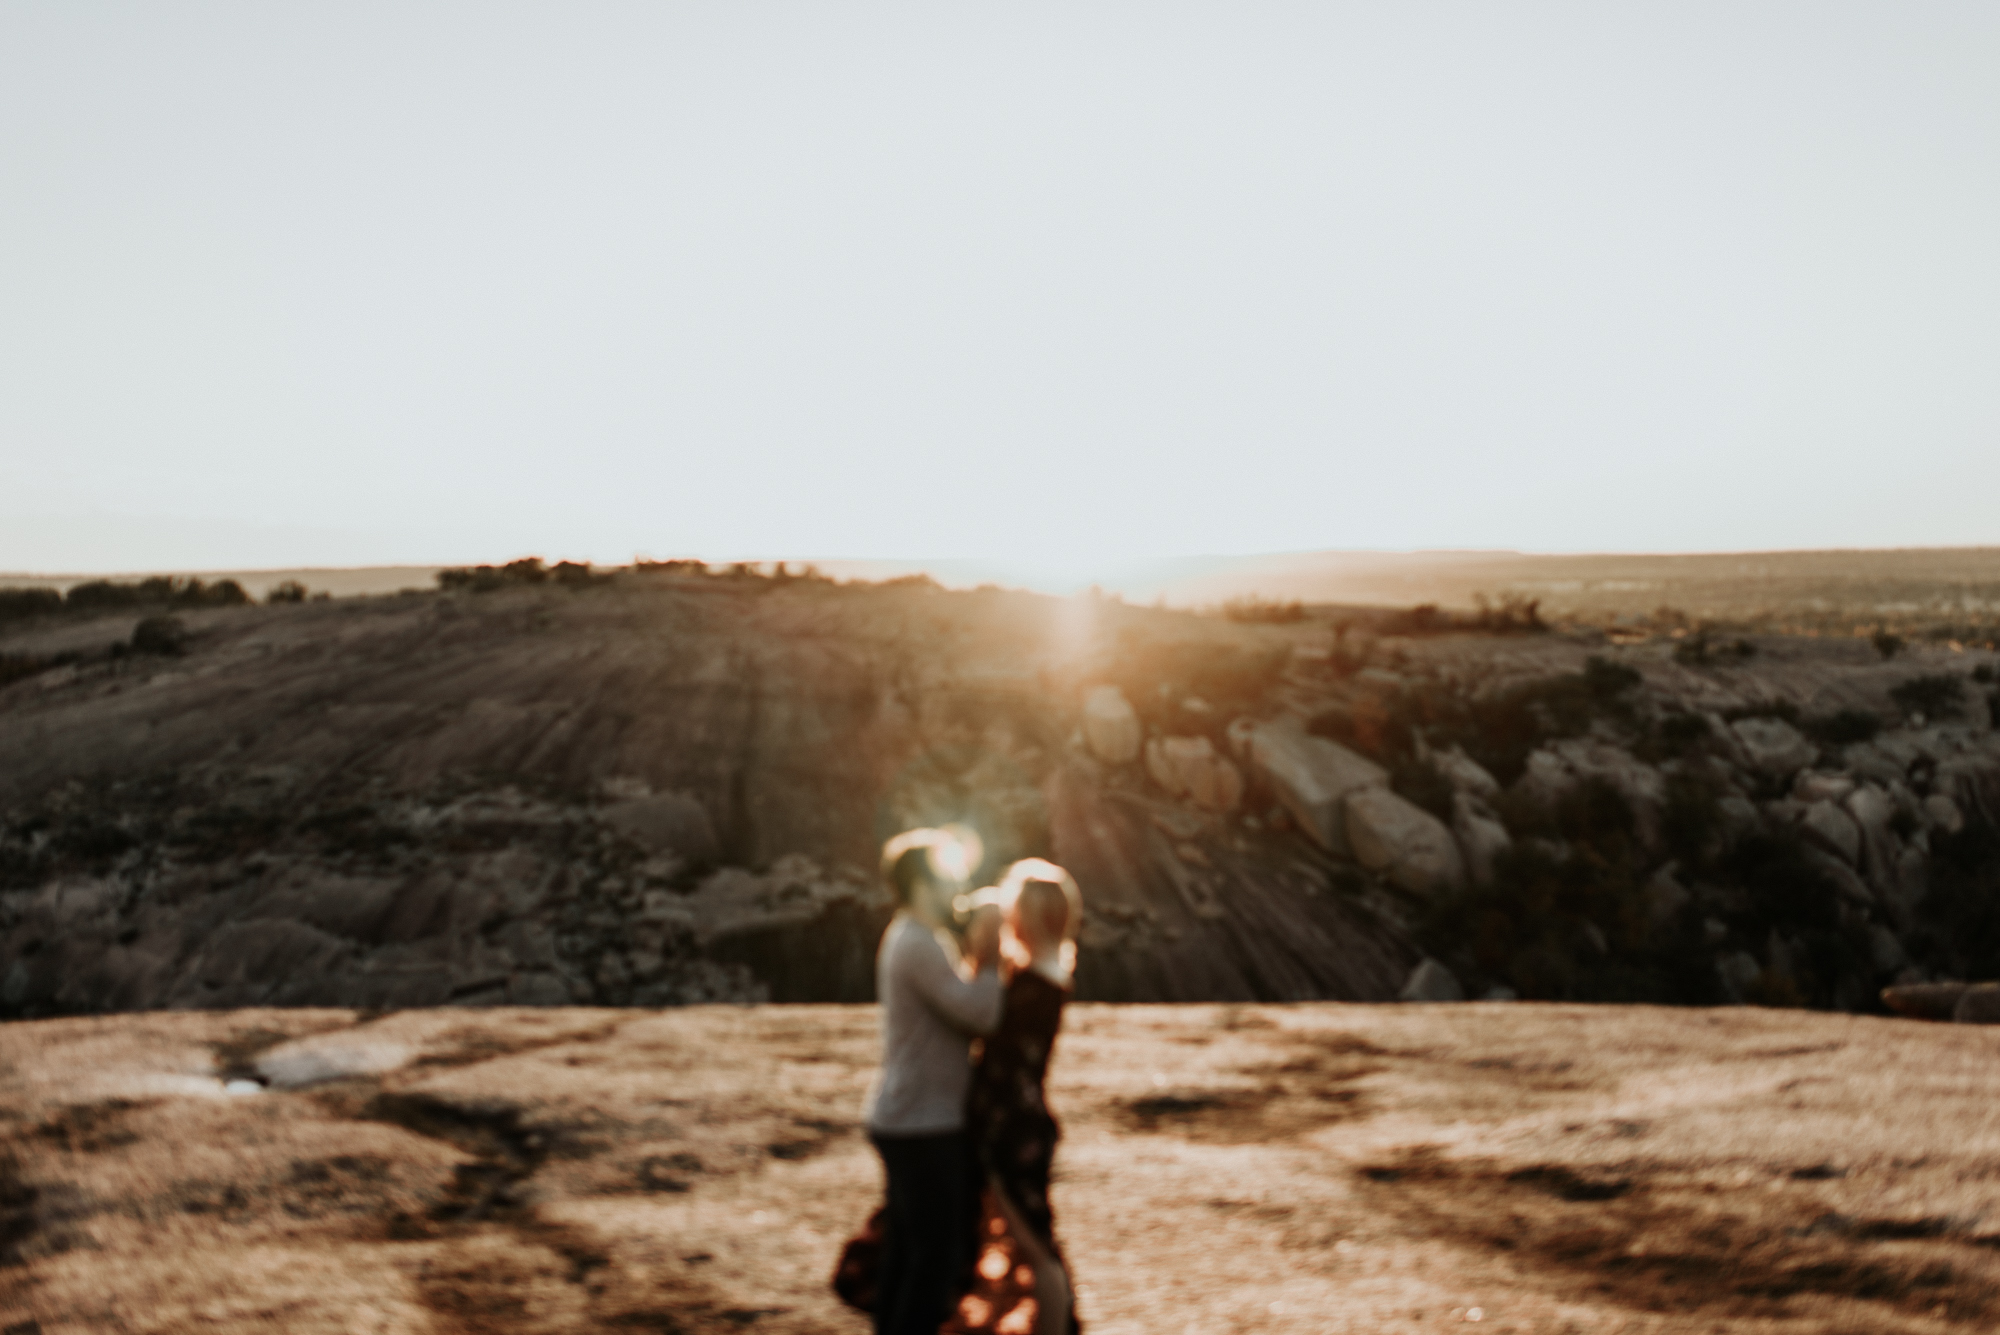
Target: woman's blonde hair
(1041, 872)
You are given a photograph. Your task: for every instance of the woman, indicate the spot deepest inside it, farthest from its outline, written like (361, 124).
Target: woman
(1007, 1117)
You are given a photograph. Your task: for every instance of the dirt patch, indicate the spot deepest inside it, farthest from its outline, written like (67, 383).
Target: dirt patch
(1671, 1247)
(91, 1128)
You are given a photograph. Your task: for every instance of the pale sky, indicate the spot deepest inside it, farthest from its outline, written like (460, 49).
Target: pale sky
(1060, 285)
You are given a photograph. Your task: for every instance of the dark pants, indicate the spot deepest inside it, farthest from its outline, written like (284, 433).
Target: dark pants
(929, 1194)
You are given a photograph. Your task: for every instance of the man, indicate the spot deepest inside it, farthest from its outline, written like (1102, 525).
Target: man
(932, 1007)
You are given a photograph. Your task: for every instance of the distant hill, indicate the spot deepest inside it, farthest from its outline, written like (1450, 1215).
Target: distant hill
(1797, 589)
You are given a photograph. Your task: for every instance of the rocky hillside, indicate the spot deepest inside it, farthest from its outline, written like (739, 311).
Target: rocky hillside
(666, 786)
(656, 788)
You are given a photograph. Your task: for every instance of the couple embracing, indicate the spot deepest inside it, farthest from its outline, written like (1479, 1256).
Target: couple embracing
(966, 1239)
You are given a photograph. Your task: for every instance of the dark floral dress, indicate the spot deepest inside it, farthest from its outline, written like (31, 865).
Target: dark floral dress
(1013, 1136)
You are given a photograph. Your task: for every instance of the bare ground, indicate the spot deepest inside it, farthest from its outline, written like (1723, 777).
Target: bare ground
(1314, 1167)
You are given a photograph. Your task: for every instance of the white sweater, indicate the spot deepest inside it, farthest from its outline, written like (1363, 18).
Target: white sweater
(930, 1013)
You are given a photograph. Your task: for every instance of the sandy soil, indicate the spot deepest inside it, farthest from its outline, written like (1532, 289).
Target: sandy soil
(1270, 1168)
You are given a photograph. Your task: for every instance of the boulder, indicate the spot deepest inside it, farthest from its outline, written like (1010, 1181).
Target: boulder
(1481, 837)
(1872, 809)
(312, 1061)
(1190, 767)
(1941, 813)
(667, 823)
(1773, 746)
(1738, 813)
(1556, 771)
(1665, 898)
(1972, 781)
(1979, 1004)
(1913, 876)
(1739, 973)
(1391, 834)
(1310, 776)
(1465, 774)
(1829, 826)
(1871, 763)
(1820, 786)
(1923, 1001)
(262, 961)
(1899, 750)
(1431, 981)
(1840, 875)
(1885, 952)
(1110, 726)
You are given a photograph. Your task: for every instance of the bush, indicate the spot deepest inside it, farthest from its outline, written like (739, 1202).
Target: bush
(1421, 783)
(487, 579)
(1671, 734)
(159, 635)
(1499, 731)
(1230, 679)
(1702, 650)
(20, 604)
(1933, 695)
(1567, 921)
(19, 667)
(1423, 619)
(1843, 728)
(1777, 709)
(1886, 644)
(290, 591)
(1607, 680)
(1961, 904)
(1514, 614)
(1251, 609)
(103, 595)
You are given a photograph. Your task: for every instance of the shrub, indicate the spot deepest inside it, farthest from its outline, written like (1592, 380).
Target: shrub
(1702, 650)
(1514, 614)
(1983, 674)
(1691, 821)
(290, 591)
(103, 595)
(1568, 921)
(1683, 729)
(1423, 619)
(1961, 904)
(1607, 680)
(1777, 709)
(1421, 782)
(20, 604)
(1843, 728)
(487, 579)
(1269, 611)
(19, 667)
(1231, 679)
(1886, 644)
(1938, 693)
(159, 635)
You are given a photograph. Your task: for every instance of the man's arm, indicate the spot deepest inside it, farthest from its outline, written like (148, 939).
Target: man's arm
(971, 1006)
